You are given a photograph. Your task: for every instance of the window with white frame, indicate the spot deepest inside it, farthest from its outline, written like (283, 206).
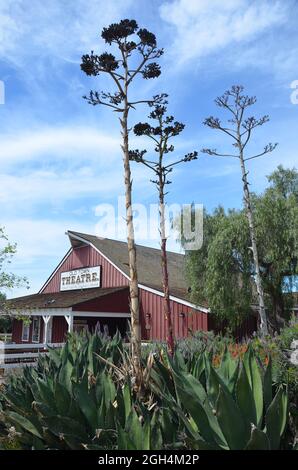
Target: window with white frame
(35, 329)
(25, 331)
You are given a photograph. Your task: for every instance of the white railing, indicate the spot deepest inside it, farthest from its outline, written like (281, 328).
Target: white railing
(10, 357)
(11, 346)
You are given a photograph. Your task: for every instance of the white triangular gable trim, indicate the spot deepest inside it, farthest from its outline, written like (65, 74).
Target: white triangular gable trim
(55, 271)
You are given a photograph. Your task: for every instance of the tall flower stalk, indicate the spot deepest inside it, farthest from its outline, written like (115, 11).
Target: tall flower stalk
(164, 128)
(136, 51)
(240, 129)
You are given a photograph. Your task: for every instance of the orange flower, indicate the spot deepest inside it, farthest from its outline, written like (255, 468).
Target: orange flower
(216, 360)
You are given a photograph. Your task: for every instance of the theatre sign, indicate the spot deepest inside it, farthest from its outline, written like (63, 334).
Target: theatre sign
(85, 278)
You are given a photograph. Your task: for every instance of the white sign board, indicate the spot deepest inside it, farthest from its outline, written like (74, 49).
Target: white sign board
(84, 278)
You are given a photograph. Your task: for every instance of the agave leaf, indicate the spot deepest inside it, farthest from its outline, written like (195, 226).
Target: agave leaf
(198, 367)
(245, 398)
(194, 399)
(178, 361)
(167, 418)
(255, 380)
(258, 440)
(55, 356)
(90, 356)
(127, 400)
(86, 405)
(166, 376)
(225, 365)
(156, 435)
(268, 384)
(146, 435)
(230, 420)
(276, 418)
(63, 425)
(214, 382)
(43, 410)
(109, 389)
(25, 423)
(133, 427)
(62, 399)
(65, 375)
(123, 440)
(45, 394)
(17, 401)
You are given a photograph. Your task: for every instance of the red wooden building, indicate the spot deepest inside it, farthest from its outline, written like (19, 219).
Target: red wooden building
(89, 288)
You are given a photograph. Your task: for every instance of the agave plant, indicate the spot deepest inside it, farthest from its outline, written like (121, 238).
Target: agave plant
(74, 399)
(83, 396)
(231, 407)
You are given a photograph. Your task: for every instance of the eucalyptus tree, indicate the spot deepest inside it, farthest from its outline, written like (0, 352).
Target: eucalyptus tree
(239, 128)
(160, 132)
(135, 54)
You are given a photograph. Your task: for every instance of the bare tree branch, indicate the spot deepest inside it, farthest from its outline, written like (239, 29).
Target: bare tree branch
(267, 149)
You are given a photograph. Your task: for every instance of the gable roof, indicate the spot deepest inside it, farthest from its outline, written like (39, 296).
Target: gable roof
(148, 262)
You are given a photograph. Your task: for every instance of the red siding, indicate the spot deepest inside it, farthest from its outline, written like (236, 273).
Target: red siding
(116, 302)
(16, 331)
(17, 328)
(59, 329)
(152, 304)
(81, 258)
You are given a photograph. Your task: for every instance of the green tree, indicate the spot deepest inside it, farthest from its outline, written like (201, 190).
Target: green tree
(276, 217)
(222, 271)
(5, 320)
(136, 51)
(8, 280)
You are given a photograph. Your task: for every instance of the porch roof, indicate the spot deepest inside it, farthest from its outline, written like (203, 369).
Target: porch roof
(64, 299)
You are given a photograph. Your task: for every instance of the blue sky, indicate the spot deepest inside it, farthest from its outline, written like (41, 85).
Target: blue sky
(60, 157)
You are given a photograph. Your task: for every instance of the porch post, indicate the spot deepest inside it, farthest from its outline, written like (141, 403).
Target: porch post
(69, 319)
(46, 319)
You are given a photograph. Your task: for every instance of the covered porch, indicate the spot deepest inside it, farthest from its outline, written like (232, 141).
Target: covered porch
(47, 318)
(46, 328)
(41, 321)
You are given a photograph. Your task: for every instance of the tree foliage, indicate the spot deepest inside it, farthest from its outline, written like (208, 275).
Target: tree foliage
(222, 271)
(8, 280)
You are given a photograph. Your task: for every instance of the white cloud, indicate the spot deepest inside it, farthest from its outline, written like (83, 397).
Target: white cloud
(59, 28)
(203, 27)
(59, 142)
(54, 186)
(40, 246)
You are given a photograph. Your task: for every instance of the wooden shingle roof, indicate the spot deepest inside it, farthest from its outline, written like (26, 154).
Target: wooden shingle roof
(148, 262)
(64, 299)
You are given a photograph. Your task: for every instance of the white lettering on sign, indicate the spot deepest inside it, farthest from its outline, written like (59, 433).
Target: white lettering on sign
(84, 278)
